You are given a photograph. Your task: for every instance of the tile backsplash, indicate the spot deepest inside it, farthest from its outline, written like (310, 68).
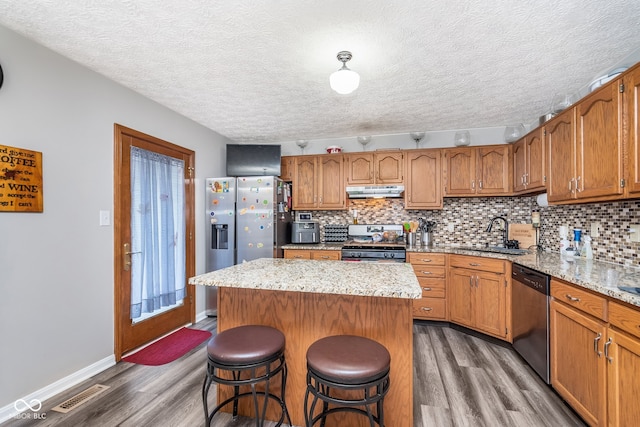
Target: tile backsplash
(464, 221)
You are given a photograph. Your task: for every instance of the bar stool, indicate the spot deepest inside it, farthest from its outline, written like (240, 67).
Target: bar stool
(355, 365)
(246, 356)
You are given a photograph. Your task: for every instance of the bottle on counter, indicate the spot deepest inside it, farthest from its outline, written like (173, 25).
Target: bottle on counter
(564, 245)
(587, 251)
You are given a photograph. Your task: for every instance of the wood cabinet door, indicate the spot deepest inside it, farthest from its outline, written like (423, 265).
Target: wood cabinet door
(297, 254)
(489, 304)
(493, 170)
(578, 370)
(331, 188)
(460, 171)
(423, 184)
(287, 167)
(599, 143)
(623, 380)
(536, 171)
(326, 255)
(304, 182)
(460, 296)
(519, 166)
(360, 168)
(560, 141)
(388, 167)
(632, 107)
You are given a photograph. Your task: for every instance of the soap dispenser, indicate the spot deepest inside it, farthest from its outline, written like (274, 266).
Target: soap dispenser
(587, 251)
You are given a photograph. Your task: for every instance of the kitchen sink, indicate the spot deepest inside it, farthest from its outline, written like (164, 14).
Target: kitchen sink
(496, 250)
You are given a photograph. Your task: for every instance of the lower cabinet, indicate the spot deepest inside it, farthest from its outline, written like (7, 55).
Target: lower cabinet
(431, 271)
(595, 355)
(317, 254)
(578, 372)
(478, 294)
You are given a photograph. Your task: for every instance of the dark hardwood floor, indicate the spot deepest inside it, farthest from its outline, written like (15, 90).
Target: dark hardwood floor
(459, 380)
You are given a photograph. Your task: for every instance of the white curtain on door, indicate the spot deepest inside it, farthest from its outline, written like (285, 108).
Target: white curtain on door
(158, 276)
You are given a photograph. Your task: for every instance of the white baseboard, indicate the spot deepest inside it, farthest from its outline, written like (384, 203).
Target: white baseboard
(201, 316)
(59, 386)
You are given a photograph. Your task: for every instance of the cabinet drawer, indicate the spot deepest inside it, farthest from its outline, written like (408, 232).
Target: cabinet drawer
(434, 288)
(430, 308)
(579, 298)
(325, 255)
(429, 271)
(297, 254)
(624, 318)
(478, 263)
(426, 258)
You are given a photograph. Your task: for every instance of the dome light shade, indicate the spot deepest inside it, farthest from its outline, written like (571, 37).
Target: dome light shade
(344, 81)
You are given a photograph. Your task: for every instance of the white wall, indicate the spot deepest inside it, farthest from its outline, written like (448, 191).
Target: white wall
(56, 267)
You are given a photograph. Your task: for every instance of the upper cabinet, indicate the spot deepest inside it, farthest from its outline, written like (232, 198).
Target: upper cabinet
(380, 167)
(584, 145)
(477, 171)
(529, 171)
(631, 82)
(287, 164)
(318, 182)
(423, 187)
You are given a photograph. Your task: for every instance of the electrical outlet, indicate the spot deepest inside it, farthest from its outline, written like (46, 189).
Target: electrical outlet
(450, 227)
(595, 229)
(634, 233)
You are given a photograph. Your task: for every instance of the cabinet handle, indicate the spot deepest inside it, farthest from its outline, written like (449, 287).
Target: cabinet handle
(471, 281)
(425, 260)
(297, 256)
(426, 289)
(570, 186)
(426, 308)
(595, 344)
(606, 350)
(526, 179)
(578, 185)
(477, 281)
(474, 264)
(522, 179)
(324, 257)
(570, 298)
(473, 184)
(480, 184)
(426, 272)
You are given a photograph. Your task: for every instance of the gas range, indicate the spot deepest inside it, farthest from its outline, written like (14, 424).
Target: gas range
(367, 243)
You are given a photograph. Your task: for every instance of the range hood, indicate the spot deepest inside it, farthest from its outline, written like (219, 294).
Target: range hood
(375, 191)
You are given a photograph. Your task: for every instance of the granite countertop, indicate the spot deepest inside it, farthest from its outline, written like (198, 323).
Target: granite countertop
(602, 277)
(392, 280)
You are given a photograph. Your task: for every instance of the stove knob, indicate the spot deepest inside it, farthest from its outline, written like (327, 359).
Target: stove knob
(392, 255)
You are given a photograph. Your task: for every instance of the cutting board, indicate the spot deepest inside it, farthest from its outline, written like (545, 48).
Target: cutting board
(523, 233)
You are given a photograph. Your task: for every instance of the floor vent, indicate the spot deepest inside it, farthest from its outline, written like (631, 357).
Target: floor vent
(80, 398)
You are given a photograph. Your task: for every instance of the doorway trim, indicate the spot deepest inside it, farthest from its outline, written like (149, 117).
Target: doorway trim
(122, 199)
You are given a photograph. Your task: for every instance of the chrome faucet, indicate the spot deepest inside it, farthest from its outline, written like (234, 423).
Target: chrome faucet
(504, 231)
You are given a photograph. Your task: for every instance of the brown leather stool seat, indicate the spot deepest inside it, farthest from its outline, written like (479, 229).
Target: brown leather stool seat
(245, 356)
(349, 363)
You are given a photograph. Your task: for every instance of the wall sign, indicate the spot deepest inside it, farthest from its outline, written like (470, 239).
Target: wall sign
(20, 180)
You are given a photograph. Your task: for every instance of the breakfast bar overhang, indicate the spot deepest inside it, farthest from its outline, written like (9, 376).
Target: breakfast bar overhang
(308, 300)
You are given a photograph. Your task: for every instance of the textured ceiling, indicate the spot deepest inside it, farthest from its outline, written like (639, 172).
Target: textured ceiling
(258, 71)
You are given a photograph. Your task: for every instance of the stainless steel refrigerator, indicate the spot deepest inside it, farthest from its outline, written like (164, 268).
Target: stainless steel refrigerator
(247, 218)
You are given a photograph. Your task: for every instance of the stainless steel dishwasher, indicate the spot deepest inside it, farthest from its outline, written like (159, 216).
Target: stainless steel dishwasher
(530, 315)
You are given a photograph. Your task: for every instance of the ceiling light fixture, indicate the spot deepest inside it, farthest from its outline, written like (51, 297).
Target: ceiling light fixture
(344, 81)
(417, 137)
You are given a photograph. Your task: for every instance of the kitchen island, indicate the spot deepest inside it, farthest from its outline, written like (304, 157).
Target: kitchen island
(308, 300)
